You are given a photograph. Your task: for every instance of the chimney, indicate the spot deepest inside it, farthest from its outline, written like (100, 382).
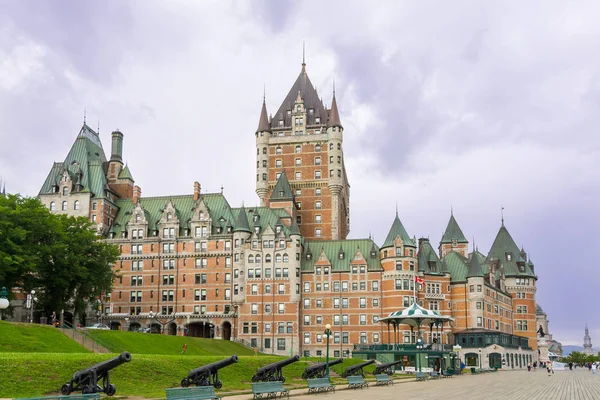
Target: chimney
(196, 191)
(137, 193)
(116, 153)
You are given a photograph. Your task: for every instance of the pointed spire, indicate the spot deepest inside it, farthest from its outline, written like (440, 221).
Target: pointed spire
(241, 224)
(263, 121)
(84, 115)
(282, 190)
(453, 232)
(334, 115)
(502, 214)
(294, 229)
(474, 267)
(303, 56)
(396, 230)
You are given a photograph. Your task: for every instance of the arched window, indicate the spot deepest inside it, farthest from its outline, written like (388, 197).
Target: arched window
(264, 150)
(298, 149)
(339, 146)
(257, 151)
(268, 258)
(64, 206)
(52, 206)
(250, 259)
(317, 147)
(258, 259)
(330, 146)
(278, 258)
(286, 258)
(278, 150)
(76, 205)
(65, 191)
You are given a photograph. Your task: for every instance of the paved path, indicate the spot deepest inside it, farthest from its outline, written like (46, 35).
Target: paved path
(513, 385)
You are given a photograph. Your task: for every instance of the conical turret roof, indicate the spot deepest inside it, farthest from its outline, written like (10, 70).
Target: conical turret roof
(453, 232)
(241, 223)
(282, 190)
(126, 173)
(507, 252)
(263, 121)
(474, 267)
(396, 230)
(334, 115)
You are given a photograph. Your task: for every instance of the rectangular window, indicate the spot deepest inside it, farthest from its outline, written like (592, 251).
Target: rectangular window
(281, 308)
(317, 219)
(280, 344)
(318, 232)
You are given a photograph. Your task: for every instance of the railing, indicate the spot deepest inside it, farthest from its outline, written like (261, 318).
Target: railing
(93, 341)
(247, 343)
(402, 347)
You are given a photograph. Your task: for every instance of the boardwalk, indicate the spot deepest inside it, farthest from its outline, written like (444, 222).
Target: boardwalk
(513, 385)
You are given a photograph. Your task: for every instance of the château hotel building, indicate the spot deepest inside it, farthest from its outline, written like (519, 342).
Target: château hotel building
(273, 276)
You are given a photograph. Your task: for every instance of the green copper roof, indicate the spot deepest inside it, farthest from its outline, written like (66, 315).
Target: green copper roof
(241, 223)
(538, 310)
(348, 249)
(456, 264)
(396, 230)
(294, 229)
(282, 190)
(86, 157)
(474, 267)
(453, 232)
(507, 252)
(428, 261)
(126, 174)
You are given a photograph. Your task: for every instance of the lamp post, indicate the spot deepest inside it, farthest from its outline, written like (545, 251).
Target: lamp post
(31, 299)
(479, 358)
(327, 334)
(4, 303)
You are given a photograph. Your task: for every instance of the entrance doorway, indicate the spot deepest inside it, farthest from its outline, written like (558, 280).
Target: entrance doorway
(495, 360)
(226, 330)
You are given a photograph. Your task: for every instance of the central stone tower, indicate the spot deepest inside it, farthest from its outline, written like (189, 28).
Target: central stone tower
(303, 145)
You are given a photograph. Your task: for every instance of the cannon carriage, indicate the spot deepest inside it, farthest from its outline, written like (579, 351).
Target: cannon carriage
(318, 370)
(88, 380)
(272, 372)
(208, 375)
(386, 368)
(357, 369)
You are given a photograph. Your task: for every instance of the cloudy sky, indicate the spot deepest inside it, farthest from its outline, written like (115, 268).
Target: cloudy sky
(465, 104)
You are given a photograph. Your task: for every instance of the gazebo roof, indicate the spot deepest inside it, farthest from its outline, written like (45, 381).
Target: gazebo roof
(415, 315)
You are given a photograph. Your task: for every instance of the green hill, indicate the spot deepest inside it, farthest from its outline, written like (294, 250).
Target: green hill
(147, 343)
(27, 338)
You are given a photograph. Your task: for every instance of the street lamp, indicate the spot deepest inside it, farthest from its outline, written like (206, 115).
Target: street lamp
(4, 303)
(31, 299)
(479, 358)
(327, 334)
(420, 347)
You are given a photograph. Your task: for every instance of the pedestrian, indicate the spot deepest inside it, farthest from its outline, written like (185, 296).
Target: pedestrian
(594, 368)
(534, 366)
(53, 317)
(549, 369)
(184, 348)
(529, 367)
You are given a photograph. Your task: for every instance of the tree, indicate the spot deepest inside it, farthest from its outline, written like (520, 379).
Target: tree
(58, 255)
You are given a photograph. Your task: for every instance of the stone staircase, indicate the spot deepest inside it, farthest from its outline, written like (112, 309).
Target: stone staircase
(83, 339)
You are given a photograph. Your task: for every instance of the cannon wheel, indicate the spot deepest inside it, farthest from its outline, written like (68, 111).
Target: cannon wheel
(185, 382)
(66, 389)
(218, 384)
(110, 390)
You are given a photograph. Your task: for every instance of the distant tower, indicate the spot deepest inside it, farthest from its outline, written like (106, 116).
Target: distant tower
(587, 342)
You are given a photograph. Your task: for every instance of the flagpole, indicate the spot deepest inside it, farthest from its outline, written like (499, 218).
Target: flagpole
(415, 290)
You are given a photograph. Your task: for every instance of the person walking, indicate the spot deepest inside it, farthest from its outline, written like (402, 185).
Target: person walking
(594, 368)
(549, 368)
(184, 348)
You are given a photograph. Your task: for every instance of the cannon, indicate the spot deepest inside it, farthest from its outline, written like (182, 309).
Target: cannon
(318, 370)
(87, 380)
(356, 369)
(272, 372)
(386, 368)
(209, 374)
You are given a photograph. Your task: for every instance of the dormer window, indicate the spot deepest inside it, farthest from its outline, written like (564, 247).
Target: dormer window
(308, 256)
(508, 256)
(311, 111)
(201, 214)
(65, 190)
(228, 229)
(137, 218)
(317, 120)
(521, 268)
(255, 218)
(169, 217)
(281, 193)
(257, 229)
(280, 123)
(278, 229)
(341, 255)
(298, 108)
(289, 112)
(373, 254)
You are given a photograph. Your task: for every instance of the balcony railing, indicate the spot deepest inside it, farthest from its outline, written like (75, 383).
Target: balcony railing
(402, 347)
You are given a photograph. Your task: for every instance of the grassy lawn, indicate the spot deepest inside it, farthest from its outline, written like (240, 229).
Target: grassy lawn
(34, 374)
(26, 338)
(149, 343)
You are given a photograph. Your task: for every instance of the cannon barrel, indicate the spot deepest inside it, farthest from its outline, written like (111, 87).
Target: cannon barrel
(355, 368)
(272, 372)
(104, 366)
(313, 370)
(278, 364)
(212, 368)
(381, 368)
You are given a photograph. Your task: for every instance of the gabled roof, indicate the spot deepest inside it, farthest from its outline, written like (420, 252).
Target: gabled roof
(241, 222)
(309, 96)
(282, 190)
(126, 174)
(87, 157)
(263, 121)
(332, 249)
(453, 232)
(474, 268)
(396, 230)
(334, 115)
(507, 252)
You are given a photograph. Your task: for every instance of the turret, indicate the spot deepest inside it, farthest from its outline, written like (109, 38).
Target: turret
(262, 155)
(336, 170)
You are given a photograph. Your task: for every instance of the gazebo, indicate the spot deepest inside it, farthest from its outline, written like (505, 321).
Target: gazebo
(415, 316)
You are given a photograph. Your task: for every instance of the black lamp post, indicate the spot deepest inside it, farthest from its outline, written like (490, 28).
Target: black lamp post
(419, 348)
(479, 358)
(4, 303)
(327, 335)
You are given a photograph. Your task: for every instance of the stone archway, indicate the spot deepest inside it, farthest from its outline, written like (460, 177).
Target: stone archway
(226, 329)
(201, 329)
(134, 326)
(115, 326)
(171, 329)
(155, 328)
